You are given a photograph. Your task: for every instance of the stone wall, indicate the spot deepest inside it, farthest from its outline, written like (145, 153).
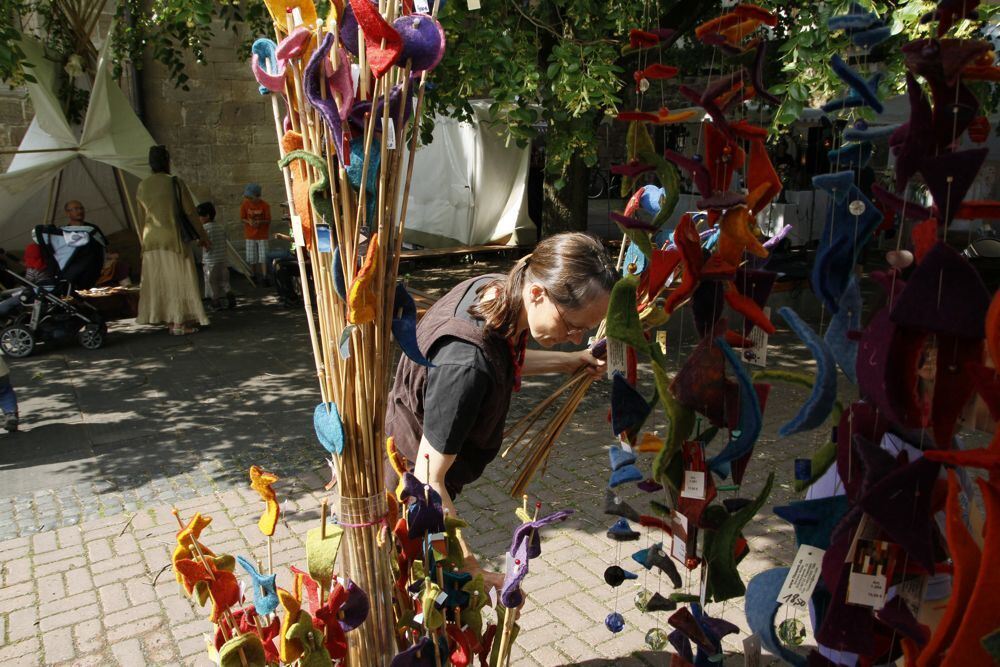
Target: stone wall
(220, 132)
(15, 116)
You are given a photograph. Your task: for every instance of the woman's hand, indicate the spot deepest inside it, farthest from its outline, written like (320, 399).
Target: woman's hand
(584, 359)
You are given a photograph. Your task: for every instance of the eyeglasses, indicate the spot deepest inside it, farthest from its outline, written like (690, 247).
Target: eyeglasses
(571, 329)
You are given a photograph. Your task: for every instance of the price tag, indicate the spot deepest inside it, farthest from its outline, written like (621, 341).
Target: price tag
(802, 577)
(678, 545)
(756, 354)
(422, 7)
(297, 235)
(390, 136)
(473, 5)
(440, 599)
(661, 340)
(678, 549)
(694, 485)
(617, 358)
(751, 651)
(324, 242)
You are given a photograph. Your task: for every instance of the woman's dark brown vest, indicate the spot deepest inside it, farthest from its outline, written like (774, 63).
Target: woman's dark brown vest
(405, 413)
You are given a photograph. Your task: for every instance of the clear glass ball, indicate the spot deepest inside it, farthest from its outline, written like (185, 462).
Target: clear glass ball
(641, 599)
(656, 639)
(856, 207)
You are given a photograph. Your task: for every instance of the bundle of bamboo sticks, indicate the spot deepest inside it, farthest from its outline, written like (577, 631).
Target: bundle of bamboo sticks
(353, 355)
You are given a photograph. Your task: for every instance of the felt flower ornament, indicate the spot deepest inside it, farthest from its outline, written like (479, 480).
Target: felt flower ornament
(217, 574)
(261, 481)
(265, 594)
(424, 514)
(383, 44)
(270, 74)
(361, 297)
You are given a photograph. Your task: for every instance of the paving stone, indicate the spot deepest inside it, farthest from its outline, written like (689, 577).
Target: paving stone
(58, 645)
(22, 624)
(89, 635)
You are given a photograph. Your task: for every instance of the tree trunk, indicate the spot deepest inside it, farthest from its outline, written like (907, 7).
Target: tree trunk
(565, 210)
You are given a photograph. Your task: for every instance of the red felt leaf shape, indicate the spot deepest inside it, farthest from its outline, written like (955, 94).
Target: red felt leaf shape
(641, 39)
(636, 116)
(660, 71)
(377, 31)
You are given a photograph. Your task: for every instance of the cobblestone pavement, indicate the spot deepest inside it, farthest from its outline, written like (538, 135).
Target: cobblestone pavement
(112, 439)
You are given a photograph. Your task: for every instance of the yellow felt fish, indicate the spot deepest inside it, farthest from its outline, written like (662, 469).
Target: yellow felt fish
(261, 481)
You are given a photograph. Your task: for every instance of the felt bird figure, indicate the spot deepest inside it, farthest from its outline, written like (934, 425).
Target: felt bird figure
(404, 325)
(270, 76)
(290, 648)
(529, 532)
(261, 481)
(328, 619)
(383, 44)
(223, 588)
(736, 236)
(265, 594)
(421, 654)
(314, 652)
(361, 297)
(314, 81)
(191, 533)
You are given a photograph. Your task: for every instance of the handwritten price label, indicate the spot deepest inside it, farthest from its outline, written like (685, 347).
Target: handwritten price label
(802, 577)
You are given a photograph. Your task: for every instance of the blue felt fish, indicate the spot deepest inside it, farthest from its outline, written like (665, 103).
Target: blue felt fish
(844, 321)
(863, 89)
(761, 605)
(265, 593)
(855, 99)
(264, 49)
(819, 405)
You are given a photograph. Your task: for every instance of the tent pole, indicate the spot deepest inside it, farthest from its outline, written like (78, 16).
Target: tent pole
(97, 187)
(54, 188)
(19, 151)
(126, 200)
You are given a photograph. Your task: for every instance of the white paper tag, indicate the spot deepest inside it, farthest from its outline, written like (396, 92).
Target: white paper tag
(661, 340)
(681, 520)
(473, 5)
(694, 485)
(802, 577)
(297, 235)
(911, 592)
(493, 596)
(757, 353)
(390, 136)
(704, 586)
(678, 549)
(440, 599)
(867, 590)
(751, 651)
(422, 6)
(617, 358)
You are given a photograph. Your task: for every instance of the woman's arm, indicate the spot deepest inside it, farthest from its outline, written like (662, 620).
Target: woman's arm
(540, 362)
(187, 201)
(430, 468)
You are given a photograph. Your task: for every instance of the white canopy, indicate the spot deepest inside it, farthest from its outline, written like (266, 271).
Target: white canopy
(468, 187)
(51, 154)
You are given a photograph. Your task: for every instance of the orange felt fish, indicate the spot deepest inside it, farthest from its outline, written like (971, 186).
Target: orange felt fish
(361, 297)
(261, 481)
(735, 237)
(185, 536)
(217, 575)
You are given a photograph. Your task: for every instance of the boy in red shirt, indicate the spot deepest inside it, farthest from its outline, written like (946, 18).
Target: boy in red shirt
(256, 216)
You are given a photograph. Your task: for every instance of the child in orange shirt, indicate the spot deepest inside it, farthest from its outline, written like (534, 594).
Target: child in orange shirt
(256, 216)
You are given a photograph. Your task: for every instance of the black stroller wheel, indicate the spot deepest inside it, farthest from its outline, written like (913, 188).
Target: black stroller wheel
(17, 341)
(91, 336)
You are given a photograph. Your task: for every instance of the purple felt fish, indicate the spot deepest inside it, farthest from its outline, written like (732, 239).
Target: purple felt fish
(325, 104)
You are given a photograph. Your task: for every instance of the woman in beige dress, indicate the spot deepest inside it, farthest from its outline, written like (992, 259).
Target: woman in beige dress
(169, 291)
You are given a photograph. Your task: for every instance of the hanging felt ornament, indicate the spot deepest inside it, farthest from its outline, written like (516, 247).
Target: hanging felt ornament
(863, 89)
(750, 417)
(318, 202)
(848, 228)
(361, 298)
(853, 99)
(266, 68)
(265, 595)
(314, 82)
(261, 481)
(818, 406)
(423, 41)
(761, 606)
(404, 326)
(949, 177)
(329, 428)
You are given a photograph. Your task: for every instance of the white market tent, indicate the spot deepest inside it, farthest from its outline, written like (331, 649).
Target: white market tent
(469, 187)
(56, 162)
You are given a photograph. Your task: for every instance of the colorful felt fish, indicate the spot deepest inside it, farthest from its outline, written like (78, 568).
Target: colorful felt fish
(261, 481)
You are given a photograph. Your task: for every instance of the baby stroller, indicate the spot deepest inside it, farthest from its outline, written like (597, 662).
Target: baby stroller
(52, 310)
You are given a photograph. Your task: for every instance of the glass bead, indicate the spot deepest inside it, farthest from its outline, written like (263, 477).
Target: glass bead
(643, 85)
(656, 639)
(792, 632)
(615, 622)
(856, 207)
(642, 599)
